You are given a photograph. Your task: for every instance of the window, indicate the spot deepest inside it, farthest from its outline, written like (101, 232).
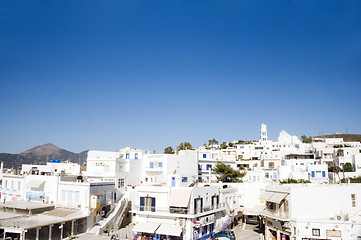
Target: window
(147, 204)
(353, 200)
(127, 156)
(215, 201)
(313, 174)
(151, 165)
(77, 196)
(315, 232)
(62, 195)
(199, 167)
(198, 205)
(204, 155)
(267, 175)
(122, 182)
(209, 166)
(184, 179)
(136, 156)
(160, 164)
(271, 165)
(70, 197)
(302, 164)
(323, 174)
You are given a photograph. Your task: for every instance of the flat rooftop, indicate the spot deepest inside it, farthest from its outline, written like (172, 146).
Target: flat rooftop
(29, 222)
(25, 205)
(7, 215)
(55, 216)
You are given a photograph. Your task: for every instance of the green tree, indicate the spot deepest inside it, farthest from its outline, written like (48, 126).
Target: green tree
(184, 146)
(306, 139)
(293, 181)
(228, 174)
(169, 150)
(334, 169)
(348, 167)
(212, 142)
(224, 145)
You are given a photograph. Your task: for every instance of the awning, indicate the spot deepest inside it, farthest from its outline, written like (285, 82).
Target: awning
(179, 197)
(145, 227)
(276, 223)
(36, 183)
(266, 195)
(277, 197)
(170, 230)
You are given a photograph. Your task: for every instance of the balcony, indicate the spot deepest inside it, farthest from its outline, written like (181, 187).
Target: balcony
(276, 214)
(178, 210)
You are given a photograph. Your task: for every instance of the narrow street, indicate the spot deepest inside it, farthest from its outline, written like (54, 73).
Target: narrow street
(251, 232)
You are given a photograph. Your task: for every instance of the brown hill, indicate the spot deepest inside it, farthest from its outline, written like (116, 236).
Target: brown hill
(346, 137)
(41, 155)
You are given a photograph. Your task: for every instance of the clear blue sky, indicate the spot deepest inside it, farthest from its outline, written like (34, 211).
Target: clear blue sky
(93, 74)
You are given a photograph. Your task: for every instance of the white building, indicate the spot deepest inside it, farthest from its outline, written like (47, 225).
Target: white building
(176, 170)
(51, 168)
(312, 211)
(116, 167)
(182, 213)
(303, 167)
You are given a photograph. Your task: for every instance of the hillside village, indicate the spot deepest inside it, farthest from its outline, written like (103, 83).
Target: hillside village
(289, 188)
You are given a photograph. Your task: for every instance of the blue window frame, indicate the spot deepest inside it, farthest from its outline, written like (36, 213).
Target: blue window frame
(151, 165)
(323, 174)
(127, 156)
(136, 156)
(313, 174)
(204, 155)
(160, 164)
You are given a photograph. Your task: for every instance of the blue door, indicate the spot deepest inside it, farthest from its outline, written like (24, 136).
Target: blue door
(173, 181)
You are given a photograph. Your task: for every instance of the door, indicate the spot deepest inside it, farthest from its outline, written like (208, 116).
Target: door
(173, 181)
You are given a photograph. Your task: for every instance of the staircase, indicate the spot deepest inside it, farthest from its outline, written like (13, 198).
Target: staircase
(114, 217)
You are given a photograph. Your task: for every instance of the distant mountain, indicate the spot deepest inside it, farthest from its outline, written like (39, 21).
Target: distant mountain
(41, 155)
(346, 137)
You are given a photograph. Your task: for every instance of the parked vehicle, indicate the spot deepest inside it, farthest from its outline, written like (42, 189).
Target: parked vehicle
(222, 235)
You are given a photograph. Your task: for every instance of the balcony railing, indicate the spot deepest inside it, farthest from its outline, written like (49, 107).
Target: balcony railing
(178, 210)
(276, 213)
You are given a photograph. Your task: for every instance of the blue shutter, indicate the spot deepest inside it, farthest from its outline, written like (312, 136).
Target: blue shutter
(151, 165)
(141, 208)
(160, 164)
(313, 174)
(153, 204)
(204, 155)
(323, 174)
(136, 156)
